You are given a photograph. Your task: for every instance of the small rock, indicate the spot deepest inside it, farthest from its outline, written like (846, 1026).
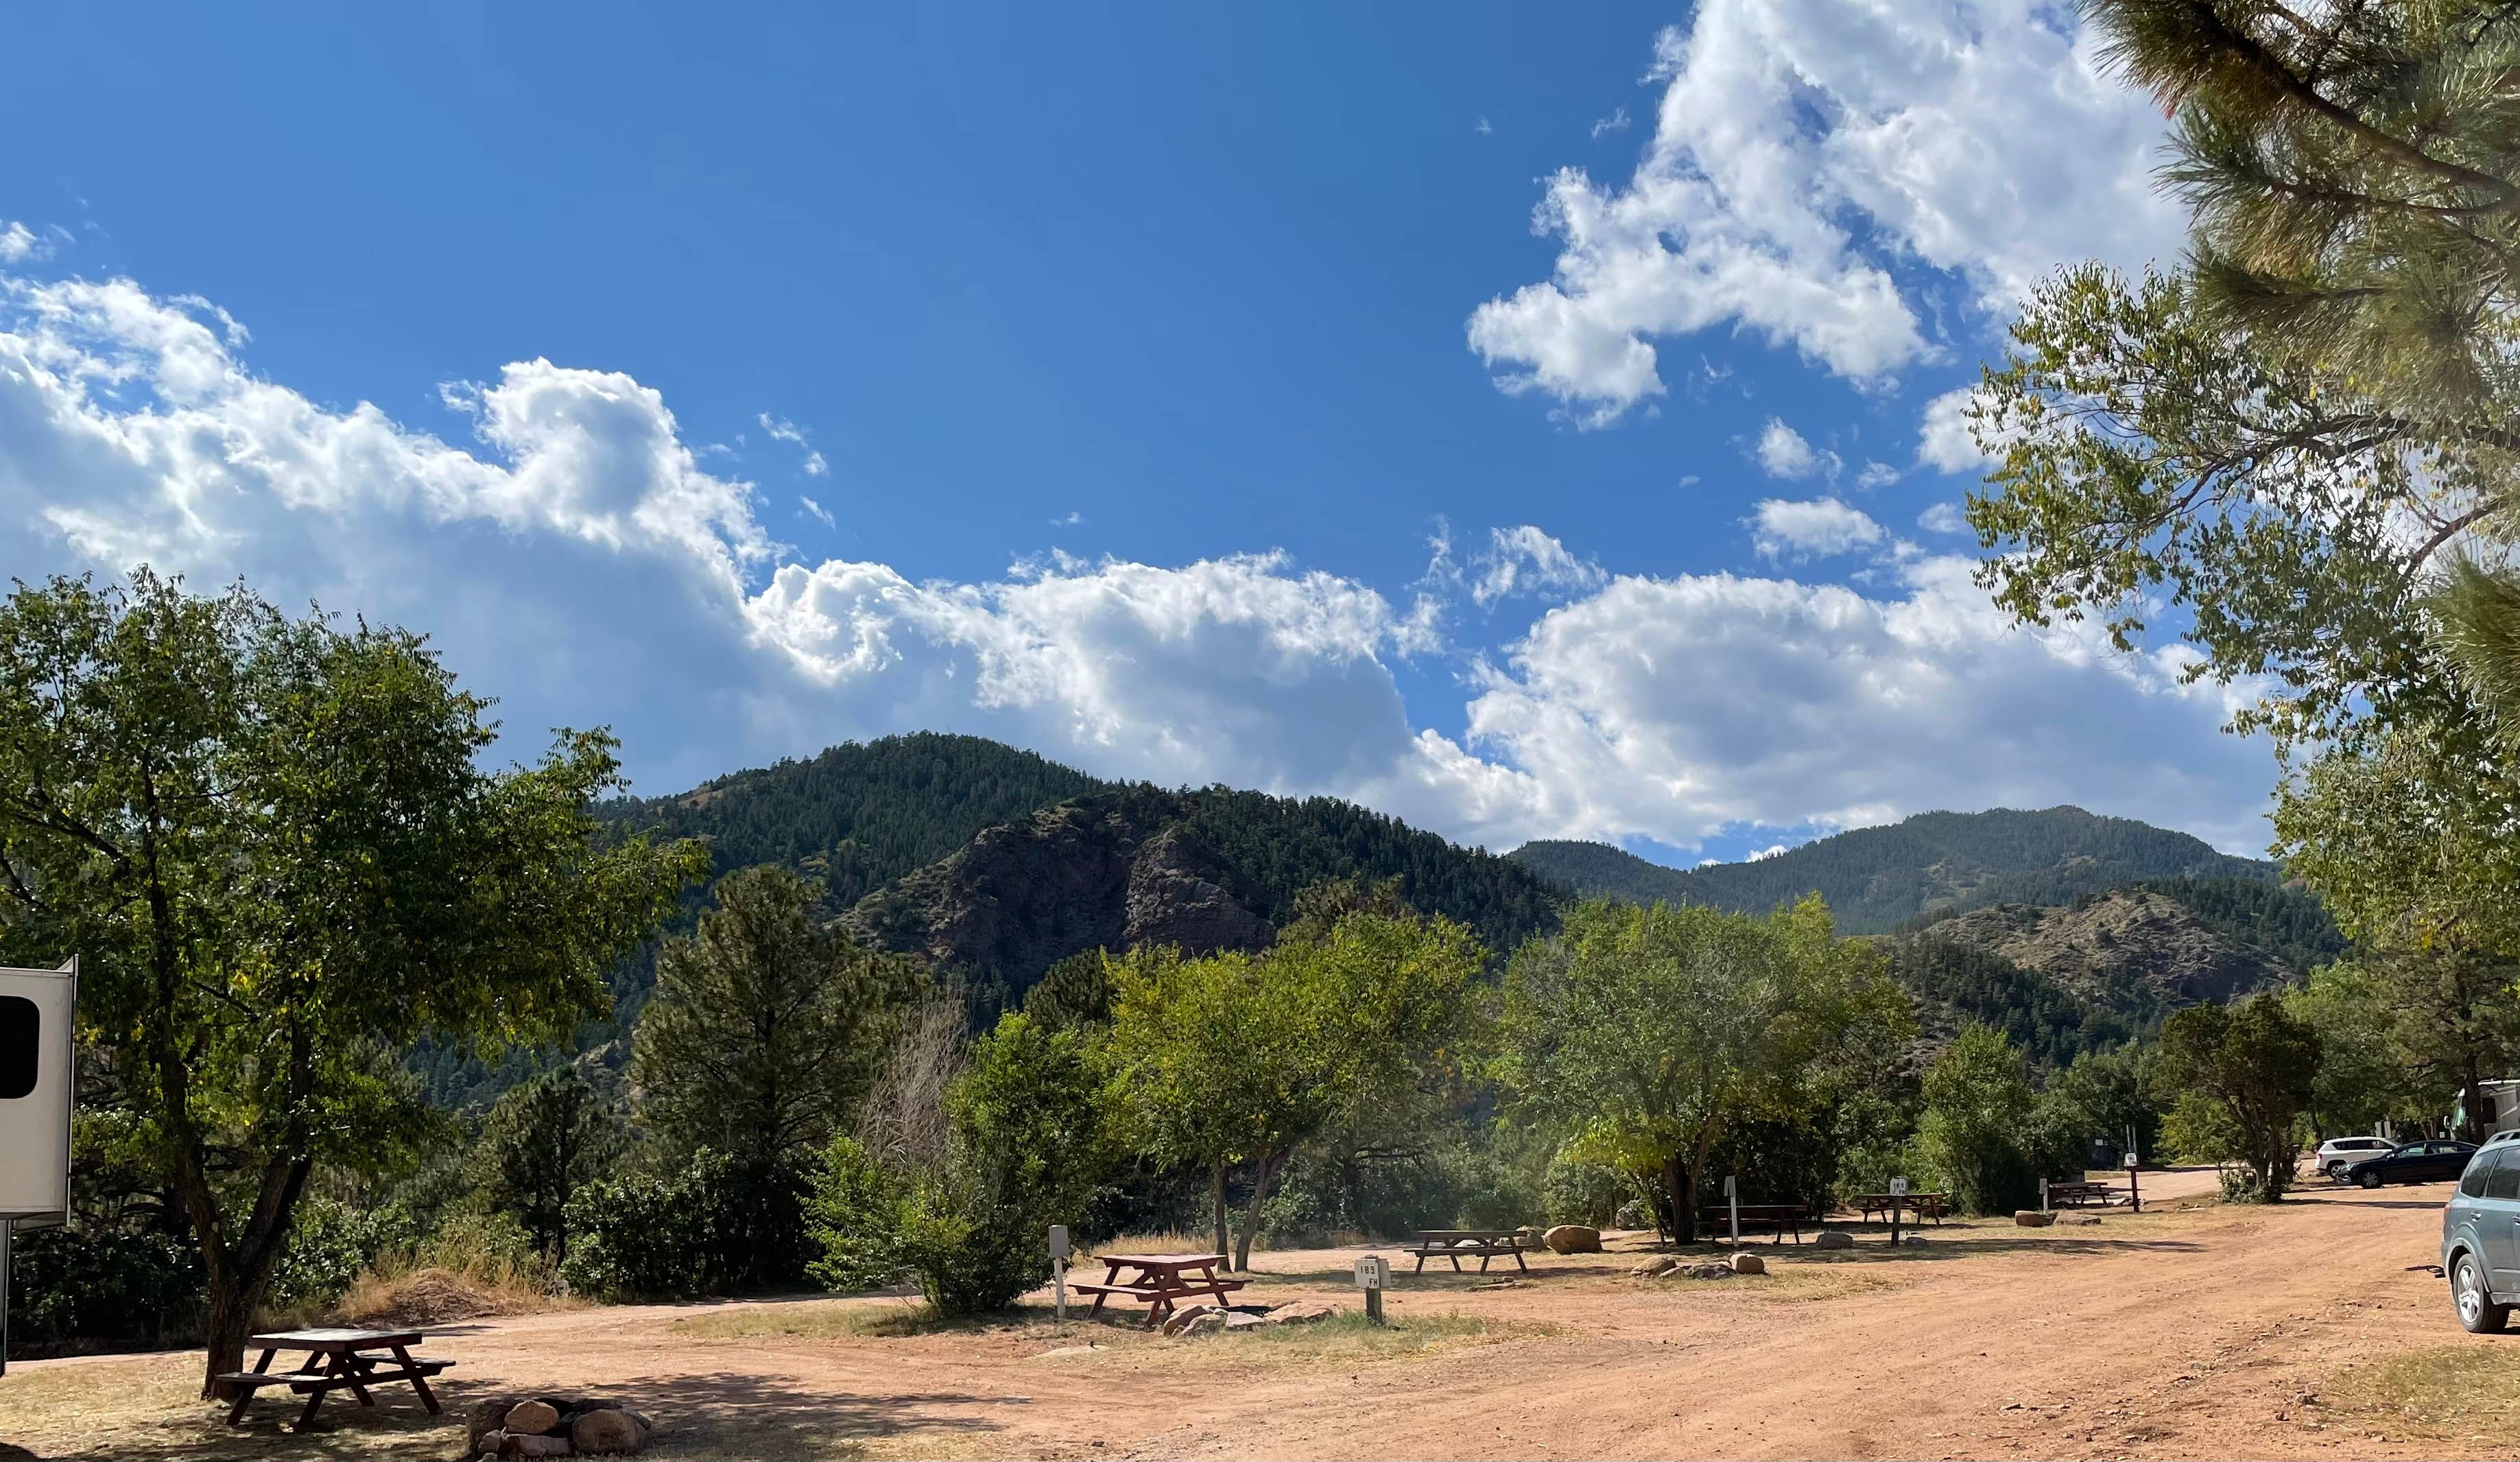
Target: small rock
(1915, 1239)
(1830, 1238)
(1748, 1263)
(1659, 1264)
(607, 1432)
(2077, 1220)
(531, 1418)
(536, 1447)
(1527, 1237)
(1573, 1238)
(490, 1443)
(2032, 1218)
(1299, 1312)
(1237, 1320)
(1185, 1316)
(1209, 1323)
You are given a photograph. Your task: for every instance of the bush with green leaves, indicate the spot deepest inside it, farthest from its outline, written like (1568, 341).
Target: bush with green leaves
(1575, 1191)
(1027, 1147)
(717, 1226)
(330, 1242)
(2243, 1076)
(1977, 1131)
(71, 1288)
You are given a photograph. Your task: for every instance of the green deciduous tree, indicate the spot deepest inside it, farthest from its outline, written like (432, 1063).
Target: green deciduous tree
(275, 847)
(2242, 1076)
(1652, 1032)
(1976, 1129)
(1235, 1058)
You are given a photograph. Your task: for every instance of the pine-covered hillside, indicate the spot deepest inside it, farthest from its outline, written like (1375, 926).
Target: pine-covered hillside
(1876, 879)
(862, 813)
(1210, 869)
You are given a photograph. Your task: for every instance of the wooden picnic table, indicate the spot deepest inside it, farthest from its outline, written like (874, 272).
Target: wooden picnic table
(1923, 1204)
(350, 1360)
(1159, 1279)
(2076, 1192)
(1458, 1244)
(1778, 1217)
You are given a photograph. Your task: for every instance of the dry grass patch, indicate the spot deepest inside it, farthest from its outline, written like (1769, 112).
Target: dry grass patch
(1345, 1340)
(2469, 1392)
(861, 1319)
(151, 1407)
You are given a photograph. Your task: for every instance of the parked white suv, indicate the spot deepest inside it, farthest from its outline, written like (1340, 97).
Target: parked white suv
(2337, 1154)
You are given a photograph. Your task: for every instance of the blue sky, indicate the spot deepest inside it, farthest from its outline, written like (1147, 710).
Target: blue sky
(1186, 396)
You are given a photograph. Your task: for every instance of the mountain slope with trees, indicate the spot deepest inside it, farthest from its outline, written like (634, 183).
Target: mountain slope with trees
(1875, 879)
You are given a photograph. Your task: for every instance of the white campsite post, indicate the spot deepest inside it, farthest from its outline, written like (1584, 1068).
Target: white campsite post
(1059, 1252)
(1373, 1273)
(37, 1091)
(2043, 1195)
(2134, 1193)
(1898, 1193)
(1732, 1200)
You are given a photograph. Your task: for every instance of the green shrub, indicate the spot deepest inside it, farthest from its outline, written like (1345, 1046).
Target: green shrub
(719, 1226)
(1978, 1105)
(70, 1289)
(329, 1243)
(967, 1250)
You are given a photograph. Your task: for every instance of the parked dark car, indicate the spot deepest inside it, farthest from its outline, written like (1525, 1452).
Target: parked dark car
(2414, 1163)
(2481, 1237)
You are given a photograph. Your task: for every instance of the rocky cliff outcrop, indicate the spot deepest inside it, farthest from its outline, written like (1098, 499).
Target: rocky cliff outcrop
(2127, 950)
(1103, 872)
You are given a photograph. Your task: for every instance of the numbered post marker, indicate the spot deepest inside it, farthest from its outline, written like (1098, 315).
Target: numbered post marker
(1373, 1274)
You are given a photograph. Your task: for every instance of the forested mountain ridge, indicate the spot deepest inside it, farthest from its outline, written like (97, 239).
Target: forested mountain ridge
(1876, 879)
(861, 813)
(1207, 870)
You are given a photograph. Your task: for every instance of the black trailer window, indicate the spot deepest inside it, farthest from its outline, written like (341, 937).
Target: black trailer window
(20, 1023)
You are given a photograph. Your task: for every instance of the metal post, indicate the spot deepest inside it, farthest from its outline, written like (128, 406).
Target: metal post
(1058, 1278)
(1732, 1200)
(1373, 1306)
(2043, 1195)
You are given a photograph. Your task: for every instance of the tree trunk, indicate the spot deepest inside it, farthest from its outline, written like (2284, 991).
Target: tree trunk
(1683, 1200)
(1224, 1230)
(1251, 1218)
(224, 1328)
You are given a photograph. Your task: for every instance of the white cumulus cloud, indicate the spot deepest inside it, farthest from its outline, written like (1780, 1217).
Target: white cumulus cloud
(1943, 439)
(1782, 452)
(1818, 529)
(567, 551)
(1819, 170)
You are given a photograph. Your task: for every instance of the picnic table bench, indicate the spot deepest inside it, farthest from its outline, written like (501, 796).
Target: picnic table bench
(2077, 1193)
(350, 1360)
(1159, 1279)
(1781, 1218)
(1458, 1244)
(1923, 1204)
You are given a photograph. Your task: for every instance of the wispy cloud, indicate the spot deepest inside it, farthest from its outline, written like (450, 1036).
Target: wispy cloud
(783, 429)
(1616, 121)
(818, 510)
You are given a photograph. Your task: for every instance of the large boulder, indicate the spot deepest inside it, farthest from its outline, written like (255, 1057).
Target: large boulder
(2033, 1218)
(1748, 1263)
(1572, 1238)
(1659, 1264)
(1830, 1238)
(1299, 1312)
(607, 1432)
(531, 1419)
(2068, 1215)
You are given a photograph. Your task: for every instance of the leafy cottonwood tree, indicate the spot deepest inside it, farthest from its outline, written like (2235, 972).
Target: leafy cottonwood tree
(1978, 1104)
(1236, 1059)
(1650, 1032)
(2242, 1074)
(274, 847)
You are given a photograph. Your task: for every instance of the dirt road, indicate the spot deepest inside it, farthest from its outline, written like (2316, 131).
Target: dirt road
(2212, 1332)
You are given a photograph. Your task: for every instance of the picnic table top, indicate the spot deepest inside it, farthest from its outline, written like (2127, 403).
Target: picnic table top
(334, 1339)
(1162, 1260)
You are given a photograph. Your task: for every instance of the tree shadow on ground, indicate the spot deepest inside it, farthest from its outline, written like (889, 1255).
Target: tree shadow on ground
(731, 1414)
